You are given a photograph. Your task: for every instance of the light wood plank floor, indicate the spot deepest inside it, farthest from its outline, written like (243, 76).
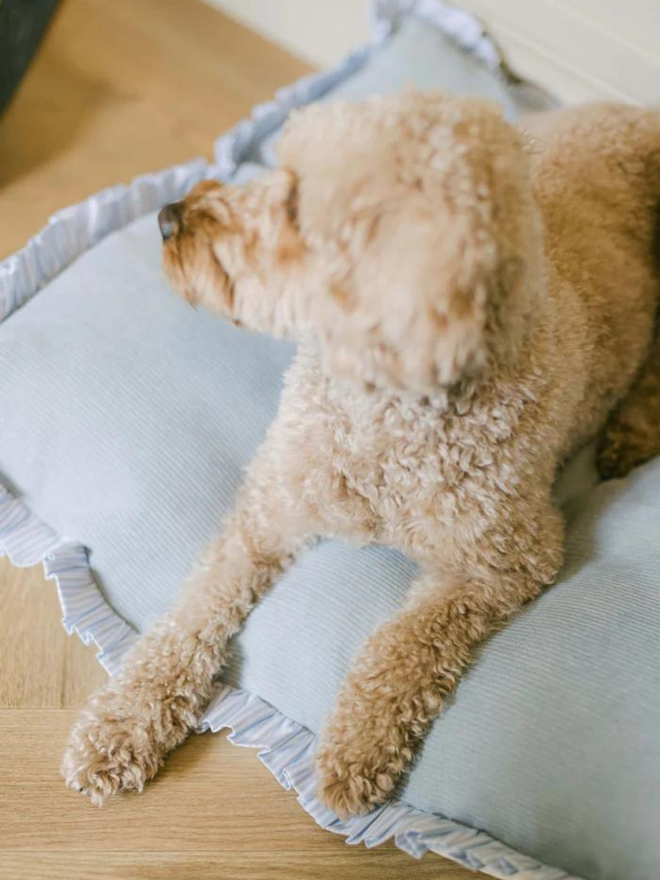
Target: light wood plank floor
(119, 88)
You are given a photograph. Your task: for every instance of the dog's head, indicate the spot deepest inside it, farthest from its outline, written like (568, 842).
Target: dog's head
(236, 250)
(400, 231)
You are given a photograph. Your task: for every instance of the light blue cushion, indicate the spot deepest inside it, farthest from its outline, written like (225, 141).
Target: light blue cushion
(126, 420)
(132, 416)
(426, 57)
(553, 741)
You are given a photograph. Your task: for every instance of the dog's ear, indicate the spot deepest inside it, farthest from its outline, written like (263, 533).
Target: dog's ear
(281, 192)
(281, 231)
(411, 312)
(422, 206)
(434, 289)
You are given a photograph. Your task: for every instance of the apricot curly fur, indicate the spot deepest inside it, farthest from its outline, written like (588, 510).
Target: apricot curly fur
(471, 302)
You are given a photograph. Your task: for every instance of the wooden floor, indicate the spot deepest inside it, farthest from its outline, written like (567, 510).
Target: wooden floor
(120, 87)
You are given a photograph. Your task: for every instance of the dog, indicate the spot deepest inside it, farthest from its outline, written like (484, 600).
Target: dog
(472, 302)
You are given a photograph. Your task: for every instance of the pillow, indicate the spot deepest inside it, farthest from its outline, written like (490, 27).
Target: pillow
(132, 416)
(420, 42)
(127, 418)
(431, 59)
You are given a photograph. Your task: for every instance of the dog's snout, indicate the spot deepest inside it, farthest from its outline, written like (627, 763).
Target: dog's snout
(169, 220)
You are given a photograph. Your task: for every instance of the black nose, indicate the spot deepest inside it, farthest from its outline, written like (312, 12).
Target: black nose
(169, 220)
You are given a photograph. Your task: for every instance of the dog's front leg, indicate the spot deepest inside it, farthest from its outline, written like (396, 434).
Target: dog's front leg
(131, 723)
(399, 682)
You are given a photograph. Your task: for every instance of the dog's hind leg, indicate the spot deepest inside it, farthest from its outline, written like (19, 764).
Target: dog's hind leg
(632, 432)
(130, 724)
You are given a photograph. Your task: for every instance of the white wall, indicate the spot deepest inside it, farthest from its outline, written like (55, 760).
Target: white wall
(579, 49)
(320, 31)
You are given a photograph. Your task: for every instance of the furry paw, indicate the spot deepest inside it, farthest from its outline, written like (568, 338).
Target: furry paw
(356, 786)
(110, 751)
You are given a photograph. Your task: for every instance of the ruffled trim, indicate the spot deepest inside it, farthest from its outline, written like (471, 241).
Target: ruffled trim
(287, 748)
(234, 147)
(386, 17)
(463, 27)
(26, 540)
(73, 230)
(86, 610)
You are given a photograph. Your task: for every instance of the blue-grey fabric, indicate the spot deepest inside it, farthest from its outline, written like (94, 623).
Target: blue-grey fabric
(424, 56)
(128, 416)
(126, 420)
(552, 743)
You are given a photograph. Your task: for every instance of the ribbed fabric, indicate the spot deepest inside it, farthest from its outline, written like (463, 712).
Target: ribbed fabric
(126, 421)
(73, 230)
(287, 750)
(432, 58)
(133, 416)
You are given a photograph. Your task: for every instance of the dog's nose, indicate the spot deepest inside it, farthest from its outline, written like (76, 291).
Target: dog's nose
(169, 219)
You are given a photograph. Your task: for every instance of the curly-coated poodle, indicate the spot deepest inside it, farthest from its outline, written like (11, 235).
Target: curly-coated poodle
(472, 302)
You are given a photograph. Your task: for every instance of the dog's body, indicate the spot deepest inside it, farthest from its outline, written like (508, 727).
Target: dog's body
(469, 310)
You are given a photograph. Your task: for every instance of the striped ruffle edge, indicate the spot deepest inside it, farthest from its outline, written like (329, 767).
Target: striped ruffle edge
(386, 17)
(286, 748)
(73, 230)
(26, 540)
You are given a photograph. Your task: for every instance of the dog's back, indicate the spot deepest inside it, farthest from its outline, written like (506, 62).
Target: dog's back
(596, 178)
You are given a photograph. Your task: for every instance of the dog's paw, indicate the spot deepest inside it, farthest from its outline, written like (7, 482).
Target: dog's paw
(108, 752)
(355, 787)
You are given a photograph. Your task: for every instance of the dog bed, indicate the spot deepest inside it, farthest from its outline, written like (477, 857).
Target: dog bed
(127, 419)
